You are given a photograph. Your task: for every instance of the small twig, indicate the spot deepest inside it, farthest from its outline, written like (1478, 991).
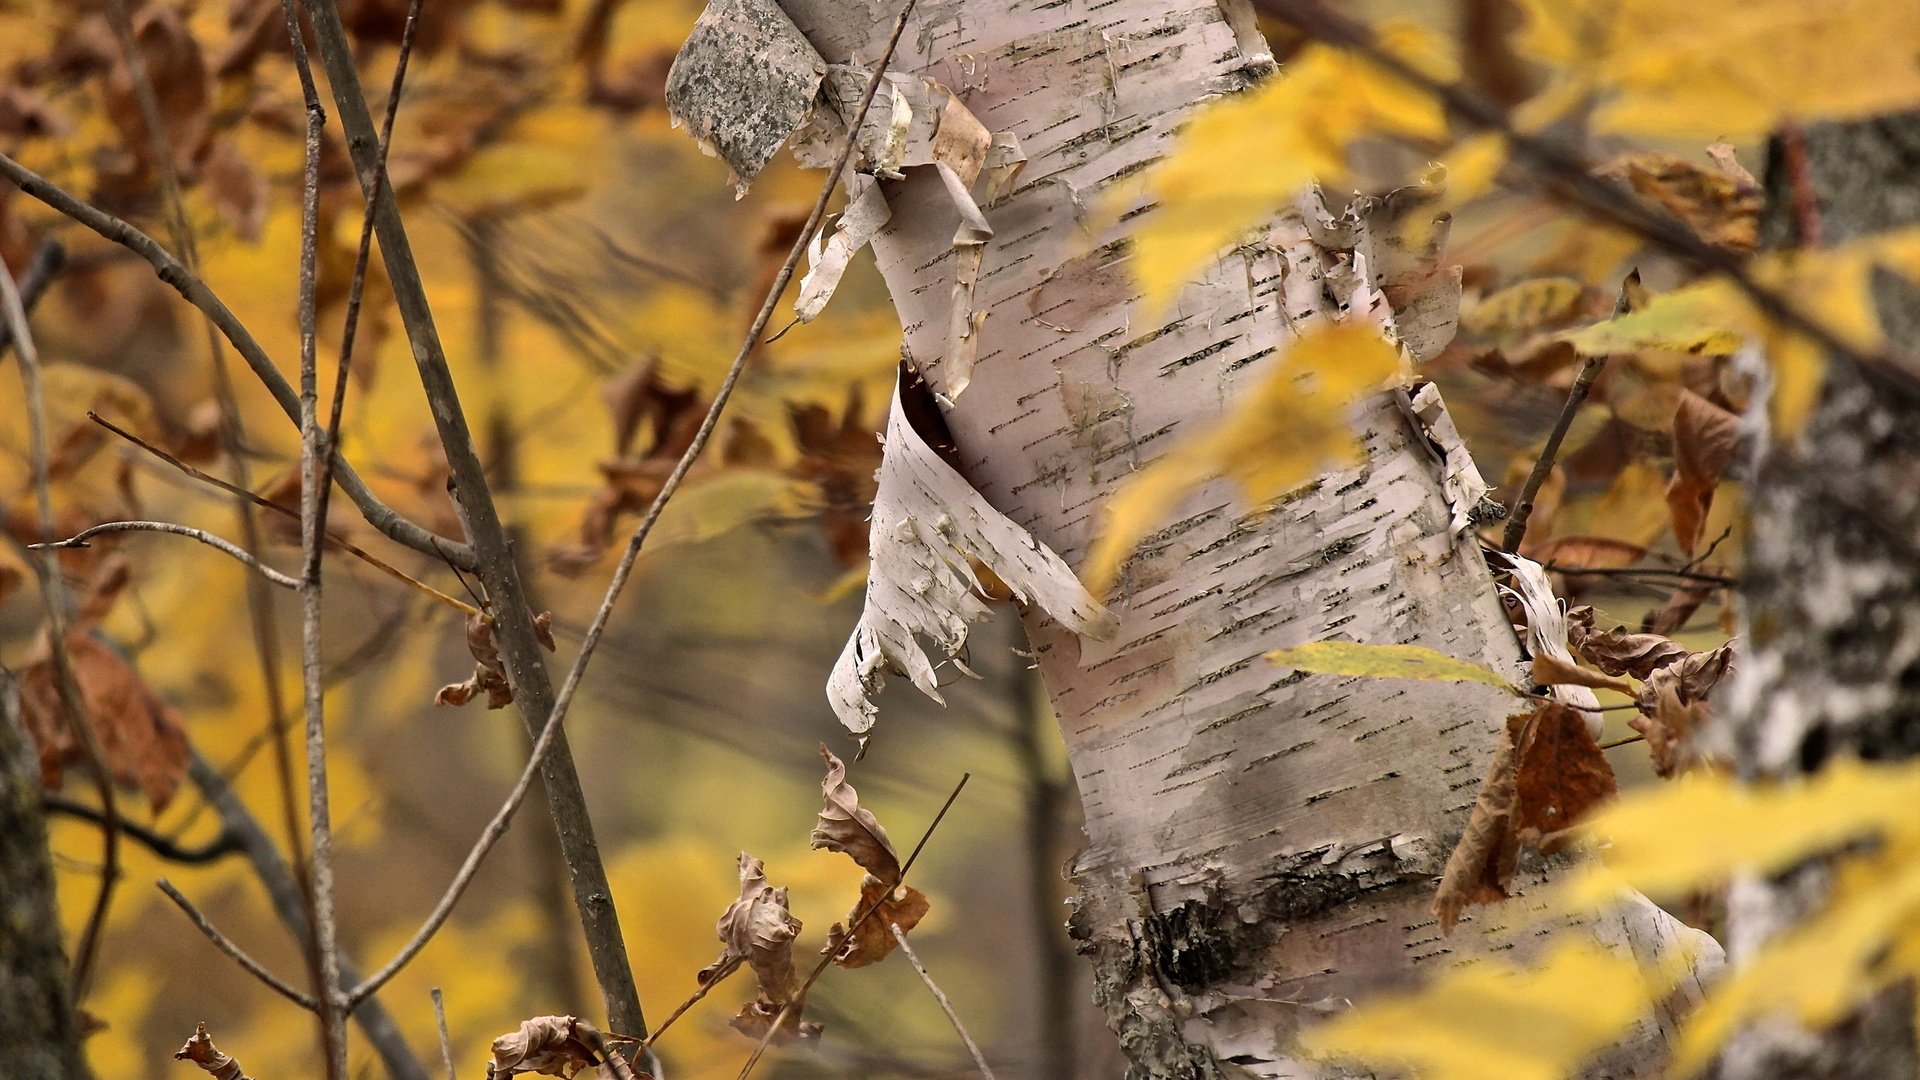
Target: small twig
(226, 843)
(201, 1051)
(694, 999)
(54, 595)
(1627, 741)
(871, 909)
(47, 260)
(238, 955)
(1516, 530)
(440, 1006)
(228, 547)
(939, 996)
(333, 537)
(1718, 580)
(196, 292)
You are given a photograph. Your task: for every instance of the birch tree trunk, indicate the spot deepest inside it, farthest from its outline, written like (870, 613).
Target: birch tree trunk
(1832, 589)
(39, 1035)
(1261, 844)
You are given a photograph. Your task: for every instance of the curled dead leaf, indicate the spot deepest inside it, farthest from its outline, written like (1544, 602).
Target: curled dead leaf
(1550, 670)
(556, 1046)
(138, 735)
(1670, 728)
(1482, 862)
(1717, 204)
(1705, 437)
(757, 930)
(489, 673)
(1619, 651)
(846, 827)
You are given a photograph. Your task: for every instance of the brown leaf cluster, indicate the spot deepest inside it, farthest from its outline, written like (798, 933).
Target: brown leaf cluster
(1548, 774)
(1675, 684)
(138, 735)
(489, 671)
(1719, 202)
(847, 827)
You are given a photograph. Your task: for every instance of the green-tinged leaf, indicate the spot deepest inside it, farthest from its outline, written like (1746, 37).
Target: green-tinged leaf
(1277, 436)
(1384, 662)
(1708, 318)
(1489, 1019)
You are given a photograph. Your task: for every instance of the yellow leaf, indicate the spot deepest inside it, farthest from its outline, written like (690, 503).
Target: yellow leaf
(1488, 1019)
(1706, 318)
(1384, 662)
(1701, 829)
(1277, 436)
(1250, 154)
(1634, 507)
(1471, 167)
(1525, 306)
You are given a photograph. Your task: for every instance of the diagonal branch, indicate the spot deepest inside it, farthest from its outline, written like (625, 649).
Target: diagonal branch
(239, 956)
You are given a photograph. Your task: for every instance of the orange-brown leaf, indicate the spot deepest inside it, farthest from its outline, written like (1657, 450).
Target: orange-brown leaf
(1562, 771)
(869, 941)
(1482, 862)
(138, 735)
(1704, 438)
(1718, 205)
(1553, 671)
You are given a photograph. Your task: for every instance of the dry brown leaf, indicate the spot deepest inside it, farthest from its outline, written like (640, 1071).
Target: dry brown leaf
(1670, 728)
(139, 736)
(845, 827)
(1692, 678)
(871, 939)
(556, 1046)
(841, 458)
(237, 189)
(1482, 862)
(1704, 439)
(1722, 208)
(757, 930)
(756, 1016)
(489, 674)
(1562, 772)
(1549, 670)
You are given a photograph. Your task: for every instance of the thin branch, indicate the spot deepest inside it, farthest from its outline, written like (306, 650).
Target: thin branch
(1572, 177)
(333, 537)
(439, 1005)
(493, 556)
(289, 903)
(854, 925)
(550, 730)
(1717, 580)
(313, 451)
(196, 292)
(235, 952)
(47, 261)
(699, 993)
(54, 594)
(228, 547)
(226, 843)
(940, 996)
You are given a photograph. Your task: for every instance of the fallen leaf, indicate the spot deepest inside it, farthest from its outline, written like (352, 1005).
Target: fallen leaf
(870, 939)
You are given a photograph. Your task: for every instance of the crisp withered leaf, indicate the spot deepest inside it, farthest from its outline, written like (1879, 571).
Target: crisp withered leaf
(556, 1046)
(1704, 438)
(756, 1016)
(859, 942)
(1482, 862)
(1693, 677)
(138, 735)
(846, 826)
(1670, 728)
(1619, 651)
(1562, 772)
(1681, 603)
(489, 673)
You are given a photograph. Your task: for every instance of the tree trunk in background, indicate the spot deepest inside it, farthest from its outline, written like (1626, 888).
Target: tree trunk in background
(39, 1036)
(1832, 588)
(1262, 846)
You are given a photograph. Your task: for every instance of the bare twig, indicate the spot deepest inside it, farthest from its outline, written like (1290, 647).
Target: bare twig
(1718, 580)
(946, 1006)
(47, 260)
(493, 558)
(201, 1051)
(1571, 177)
(54, 594)
(333, 537)
(226, 843)
(81, 539)
(439, 1005)
(196, 292)
(1516, 530)
(852, 926)
(289, 903)
(694, 999)
(235, 952)
(313, 453)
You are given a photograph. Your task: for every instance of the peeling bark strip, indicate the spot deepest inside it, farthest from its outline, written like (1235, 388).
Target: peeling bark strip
(1261, 844)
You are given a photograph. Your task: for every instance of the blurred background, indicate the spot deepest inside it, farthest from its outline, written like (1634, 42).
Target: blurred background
(591, 275)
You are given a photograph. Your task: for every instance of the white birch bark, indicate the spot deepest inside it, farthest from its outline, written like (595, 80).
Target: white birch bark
(1261, 844)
